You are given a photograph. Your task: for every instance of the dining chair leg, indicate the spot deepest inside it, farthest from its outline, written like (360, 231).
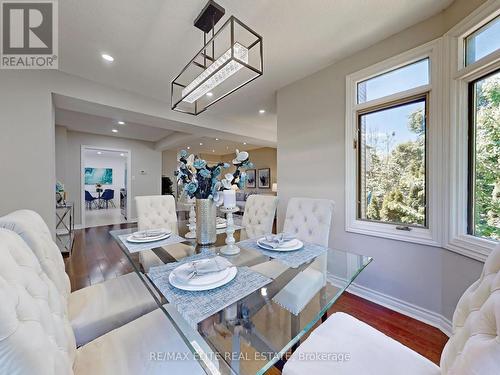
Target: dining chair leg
(323, 301)
(295, 329)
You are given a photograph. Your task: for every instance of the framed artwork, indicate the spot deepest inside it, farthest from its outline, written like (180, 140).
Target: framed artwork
(251, 183)
(103, 176)
(264, 176)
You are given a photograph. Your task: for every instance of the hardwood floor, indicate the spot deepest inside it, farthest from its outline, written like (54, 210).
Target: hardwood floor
(96, 257)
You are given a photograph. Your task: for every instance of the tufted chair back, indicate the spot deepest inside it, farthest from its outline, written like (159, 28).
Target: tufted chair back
(156, 211)
(259, 215)
(35, 334)
(33, 230)
(474, 347)
(310, 220)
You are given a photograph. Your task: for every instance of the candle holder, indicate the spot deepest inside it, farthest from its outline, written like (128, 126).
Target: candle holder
(230, 248)
(192, 222)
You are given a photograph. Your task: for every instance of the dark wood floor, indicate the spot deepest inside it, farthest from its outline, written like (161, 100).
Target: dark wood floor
(96, 257)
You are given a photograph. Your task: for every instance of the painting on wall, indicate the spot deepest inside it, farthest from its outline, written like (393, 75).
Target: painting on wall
(251, 178)
(103, 176)
(264, 178)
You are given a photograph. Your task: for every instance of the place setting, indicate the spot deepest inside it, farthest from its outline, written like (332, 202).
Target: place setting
(204, 284)
(149, 238)
(285, 247)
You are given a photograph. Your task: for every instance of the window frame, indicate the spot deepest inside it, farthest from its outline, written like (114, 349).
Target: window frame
(394, 104)
(458, 78)
(430, 235)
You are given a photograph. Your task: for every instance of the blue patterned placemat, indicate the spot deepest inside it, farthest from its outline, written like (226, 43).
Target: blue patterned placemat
(292, 259)
(197, 306)
(136, 247)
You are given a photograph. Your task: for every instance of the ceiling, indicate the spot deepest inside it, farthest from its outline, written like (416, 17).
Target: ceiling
(152, 40)
(88, 123)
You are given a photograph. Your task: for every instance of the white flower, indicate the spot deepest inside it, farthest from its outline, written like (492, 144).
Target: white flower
(229, 177)
(226, 184)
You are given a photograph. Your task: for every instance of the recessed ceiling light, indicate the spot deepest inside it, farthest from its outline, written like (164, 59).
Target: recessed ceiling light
(99, 153)
(261, 111)
(216, 139)
(122, 154)
(210, 94)
(121, 123)
(201, 144)
(107, 57)
(114, 130)
(188, 147)
(244, 143)
(213, 150)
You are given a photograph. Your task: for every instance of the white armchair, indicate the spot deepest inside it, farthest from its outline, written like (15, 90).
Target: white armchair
(258, 217)
(94, 310)
(474, 347)
(153, 212)
(36, 335)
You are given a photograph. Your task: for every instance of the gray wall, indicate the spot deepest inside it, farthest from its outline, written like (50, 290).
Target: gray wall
(311, 162)
(143, 157)
(27, 170)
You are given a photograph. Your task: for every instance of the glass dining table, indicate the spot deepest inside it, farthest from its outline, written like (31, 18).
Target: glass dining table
(253, 333)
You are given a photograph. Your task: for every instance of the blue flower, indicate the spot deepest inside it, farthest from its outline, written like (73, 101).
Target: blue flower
(248, 164)
(191, 188)
(199, 163)
(243, 181)
(205, 173)
(183, 153)
(226, 165)
(216, 172)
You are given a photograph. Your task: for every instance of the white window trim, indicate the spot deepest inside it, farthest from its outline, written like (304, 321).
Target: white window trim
(456, 79)
(433, 234)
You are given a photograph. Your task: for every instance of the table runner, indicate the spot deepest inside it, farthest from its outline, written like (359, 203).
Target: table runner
(136, 247)
(292, 259)
(197, 306)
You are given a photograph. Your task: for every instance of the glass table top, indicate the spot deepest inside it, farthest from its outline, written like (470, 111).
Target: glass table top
(253, 334)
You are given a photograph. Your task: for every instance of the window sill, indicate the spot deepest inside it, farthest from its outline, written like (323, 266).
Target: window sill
(420, 236)
(472, 247)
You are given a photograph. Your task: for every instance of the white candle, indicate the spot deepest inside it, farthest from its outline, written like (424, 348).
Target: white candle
(229, 197)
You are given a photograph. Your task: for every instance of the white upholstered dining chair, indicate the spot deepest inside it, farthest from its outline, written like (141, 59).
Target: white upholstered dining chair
(153, 212)
(309, 220)
(94, 310)
(258, 217)
(473, 348)
(36, 335)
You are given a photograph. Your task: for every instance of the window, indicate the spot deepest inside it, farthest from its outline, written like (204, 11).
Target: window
(402, 79)
(393, 148)
(391, 163)
(483, 41)
(484, 157)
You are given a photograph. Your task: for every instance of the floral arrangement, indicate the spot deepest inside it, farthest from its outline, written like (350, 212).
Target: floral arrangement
(203, 182)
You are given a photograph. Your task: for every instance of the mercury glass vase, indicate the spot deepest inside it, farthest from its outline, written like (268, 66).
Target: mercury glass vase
(206, 213)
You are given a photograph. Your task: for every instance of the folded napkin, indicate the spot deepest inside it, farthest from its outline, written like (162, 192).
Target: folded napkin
(150, 233)
(201, 268)
(276, 240)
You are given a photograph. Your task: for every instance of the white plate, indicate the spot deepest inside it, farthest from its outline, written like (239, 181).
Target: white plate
(293, 245)
(132, 239)
(196, 288)
(210, 278)
(221, 226)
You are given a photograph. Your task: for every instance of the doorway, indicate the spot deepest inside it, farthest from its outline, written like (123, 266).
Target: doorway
(105, 186)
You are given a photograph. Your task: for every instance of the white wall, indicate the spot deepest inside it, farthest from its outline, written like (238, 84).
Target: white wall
(143, 158)
(107, 160)
(311, 162)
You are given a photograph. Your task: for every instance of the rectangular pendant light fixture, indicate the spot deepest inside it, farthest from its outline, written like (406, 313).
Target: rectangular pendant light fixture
(228, 60)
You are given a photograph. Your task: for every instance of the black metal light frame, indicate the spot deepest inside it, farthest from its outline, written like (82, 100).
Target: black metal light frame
(209, 45)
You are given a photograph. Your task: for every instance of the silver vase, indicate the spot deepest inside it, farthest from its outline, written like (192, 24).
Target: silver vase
(206, 213)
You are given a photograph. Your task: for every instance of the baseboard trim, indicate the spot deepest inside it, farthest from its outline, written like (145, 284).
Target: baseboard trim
(403, 307)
